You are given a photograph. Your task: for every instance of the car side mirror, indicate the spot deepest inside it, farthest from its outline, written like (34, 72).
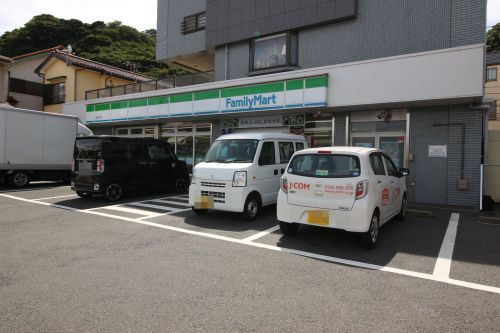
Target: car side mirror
(404, 172)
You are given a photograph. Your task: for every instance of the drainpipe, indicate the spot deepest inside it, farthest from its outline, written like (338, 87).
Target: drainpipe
(225, 62)
(74, 85)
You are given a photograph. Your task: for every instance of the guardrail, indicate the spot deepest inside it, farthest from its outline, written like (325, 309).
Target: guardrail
(170, 82)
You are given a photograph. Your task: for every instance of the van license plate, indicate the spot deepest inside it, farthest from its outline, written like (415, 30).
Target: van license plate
(205, 202)
(318, 217)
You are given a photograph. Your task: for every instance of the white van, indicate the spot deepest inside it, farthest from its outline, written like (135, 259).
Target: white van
(241, 172)
(349, 188)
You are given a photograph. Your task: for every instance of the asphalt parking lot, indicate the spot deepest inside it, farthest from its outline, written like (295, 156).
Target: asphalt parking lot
(147, 263)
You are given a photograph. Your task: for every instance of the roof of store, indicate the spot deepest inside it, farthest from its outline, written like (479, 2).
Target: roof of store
(5, 59)
(73, 60)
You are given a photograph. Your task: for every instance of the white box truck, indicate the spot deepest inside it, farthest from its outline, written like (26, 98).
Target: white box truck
(36, 145)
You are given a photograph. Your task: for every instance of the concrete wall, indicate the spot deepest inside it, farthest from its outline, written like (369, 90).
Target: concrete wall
(24, 69)
(169, 40)
(435, 179)
(30, 102)
(382, 28)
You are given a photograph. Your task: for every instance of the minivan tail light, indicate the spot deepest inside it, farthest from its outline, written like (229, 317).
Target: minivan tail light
(361, 189)
(100, 166)
(284, 184)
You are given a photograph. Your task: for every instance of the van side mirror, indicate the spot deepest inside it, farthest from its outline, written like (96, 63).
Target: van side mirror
(404, 172)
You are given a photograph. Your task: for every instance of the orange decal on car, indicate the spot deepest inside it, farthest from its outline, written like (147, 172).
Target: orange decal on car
(385, 196)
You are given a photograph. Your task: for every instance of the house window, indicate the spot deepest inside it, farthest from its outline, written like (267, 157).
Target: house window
(193, 23)
(274, 51)
(54, 93)
(491, 74)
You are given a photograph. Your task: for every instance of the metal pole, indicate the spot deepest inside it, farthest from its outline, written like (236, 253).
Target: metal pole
(481, 187)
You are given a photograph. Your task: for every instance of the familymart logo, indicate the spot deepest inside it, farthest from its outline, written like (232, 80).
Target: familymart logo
(255, 101)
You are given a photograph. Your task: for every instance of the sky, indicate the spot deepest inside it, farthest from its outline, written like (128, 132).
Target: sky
(138, 14)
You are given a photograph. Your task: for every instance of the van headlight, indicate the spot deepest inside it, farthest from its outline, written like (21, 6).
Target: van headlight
(193, 177)
(240, 179)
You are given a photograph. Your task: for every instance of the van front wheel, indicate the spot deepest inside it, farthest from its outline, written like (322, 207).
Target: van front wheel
(252, 207)
(113, 192)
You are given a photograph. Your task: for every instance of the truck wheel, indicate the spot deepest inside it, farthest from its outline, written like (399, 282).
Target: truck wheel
(199, 211)
(113, 192)
(289, 229)
(252, 207)
(19, 179)
(83, 194)
(181, 185)
(369, 239)
(402, 211)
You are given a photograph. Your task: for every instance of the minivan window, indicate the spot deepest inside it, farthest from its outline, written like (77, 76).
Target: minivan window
(87, 148)
(377, 164)
(138, 151)
(286, 151)
(391, 169)
(325, 166)
(267, 154)
(232, 151)
(299, 146)
(159, 152)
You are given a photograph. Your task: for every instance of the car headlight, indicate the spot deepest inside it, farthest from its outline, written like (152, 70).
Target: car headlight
(240, 179)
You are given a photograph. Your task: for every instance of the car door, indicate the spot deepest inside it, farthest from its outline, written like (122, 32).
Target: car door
(268, 173)
(381, 183)
(139, 165)
(160, 164)
(394, 186)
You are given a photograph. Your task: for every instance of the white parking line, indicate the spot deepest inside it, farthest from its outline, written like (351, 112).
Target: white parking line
(131, 210)
(145, 205)
(347, 262)
(170, 202)
(57, 197)
(443, 262)
(261, 234)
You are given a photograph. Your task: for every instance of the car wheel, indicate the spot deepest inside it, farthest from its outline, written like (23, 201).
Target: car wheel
(113, 192)
(83, 194)
(199, 211)
(289, 229)
(252, 207)
(181, 185)
(369, 239)
(402, 211)
(19, 179)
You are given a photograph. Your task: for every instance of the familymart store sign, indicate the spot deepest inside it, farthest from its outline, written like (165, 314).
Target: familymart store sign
(297, 93)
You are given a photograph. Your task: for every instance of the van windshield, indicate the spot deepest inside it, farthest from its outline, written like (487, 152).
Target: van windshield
(232, 151)
(87, 148)
(325, 166)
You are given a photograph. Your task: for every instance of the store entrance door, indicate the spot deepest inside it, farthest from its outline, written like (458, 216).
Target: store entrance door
(391, 143)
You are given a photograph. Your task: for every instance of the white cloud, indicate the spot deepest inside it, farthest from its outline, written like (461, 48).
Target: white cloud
(138, 14)
(493, 13)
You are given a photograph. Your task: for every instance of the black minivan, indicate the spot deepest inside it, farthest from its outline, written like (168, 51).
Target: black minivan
(111, 166)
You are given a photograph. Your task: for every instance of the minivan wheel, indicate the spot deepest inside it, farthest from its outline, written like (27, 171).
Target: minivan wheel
(252, 207)
(113, 192)
(83, 194)
(19, 179)
(369, 239)
(289, 229)
(181, 185)
(402, 211)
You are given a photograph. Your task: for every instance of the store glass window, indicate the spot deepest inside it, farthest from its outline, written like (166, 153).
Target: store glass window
(318, 130)
(201, 146)
(122, 131)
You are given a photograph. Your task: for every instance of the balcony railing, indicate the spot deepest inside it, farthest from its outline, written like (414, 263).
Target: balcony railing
(170, 82)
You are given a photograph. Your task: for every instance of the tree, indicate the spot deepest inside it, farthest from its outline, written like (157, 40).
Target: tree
(111, 43)
(493, 38)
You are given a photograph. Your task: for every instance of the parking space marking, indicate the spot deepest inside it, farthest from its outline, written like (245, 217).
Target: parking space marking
(342, 261)
(124, 209)
(443, 262)
(145, 205)
(178, 203)
(57, 197)
(32, 189)
(261, 234)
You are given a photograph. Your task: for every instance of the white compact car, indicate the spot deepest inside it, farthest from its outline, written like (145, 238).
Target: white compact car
(241, 172)
(349, 188)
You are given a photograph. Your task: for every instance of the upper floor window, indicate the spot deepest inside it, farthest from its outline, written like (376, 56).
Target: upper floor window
(193, 23)
(274, 51)
(54, 93)
(491, 74)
